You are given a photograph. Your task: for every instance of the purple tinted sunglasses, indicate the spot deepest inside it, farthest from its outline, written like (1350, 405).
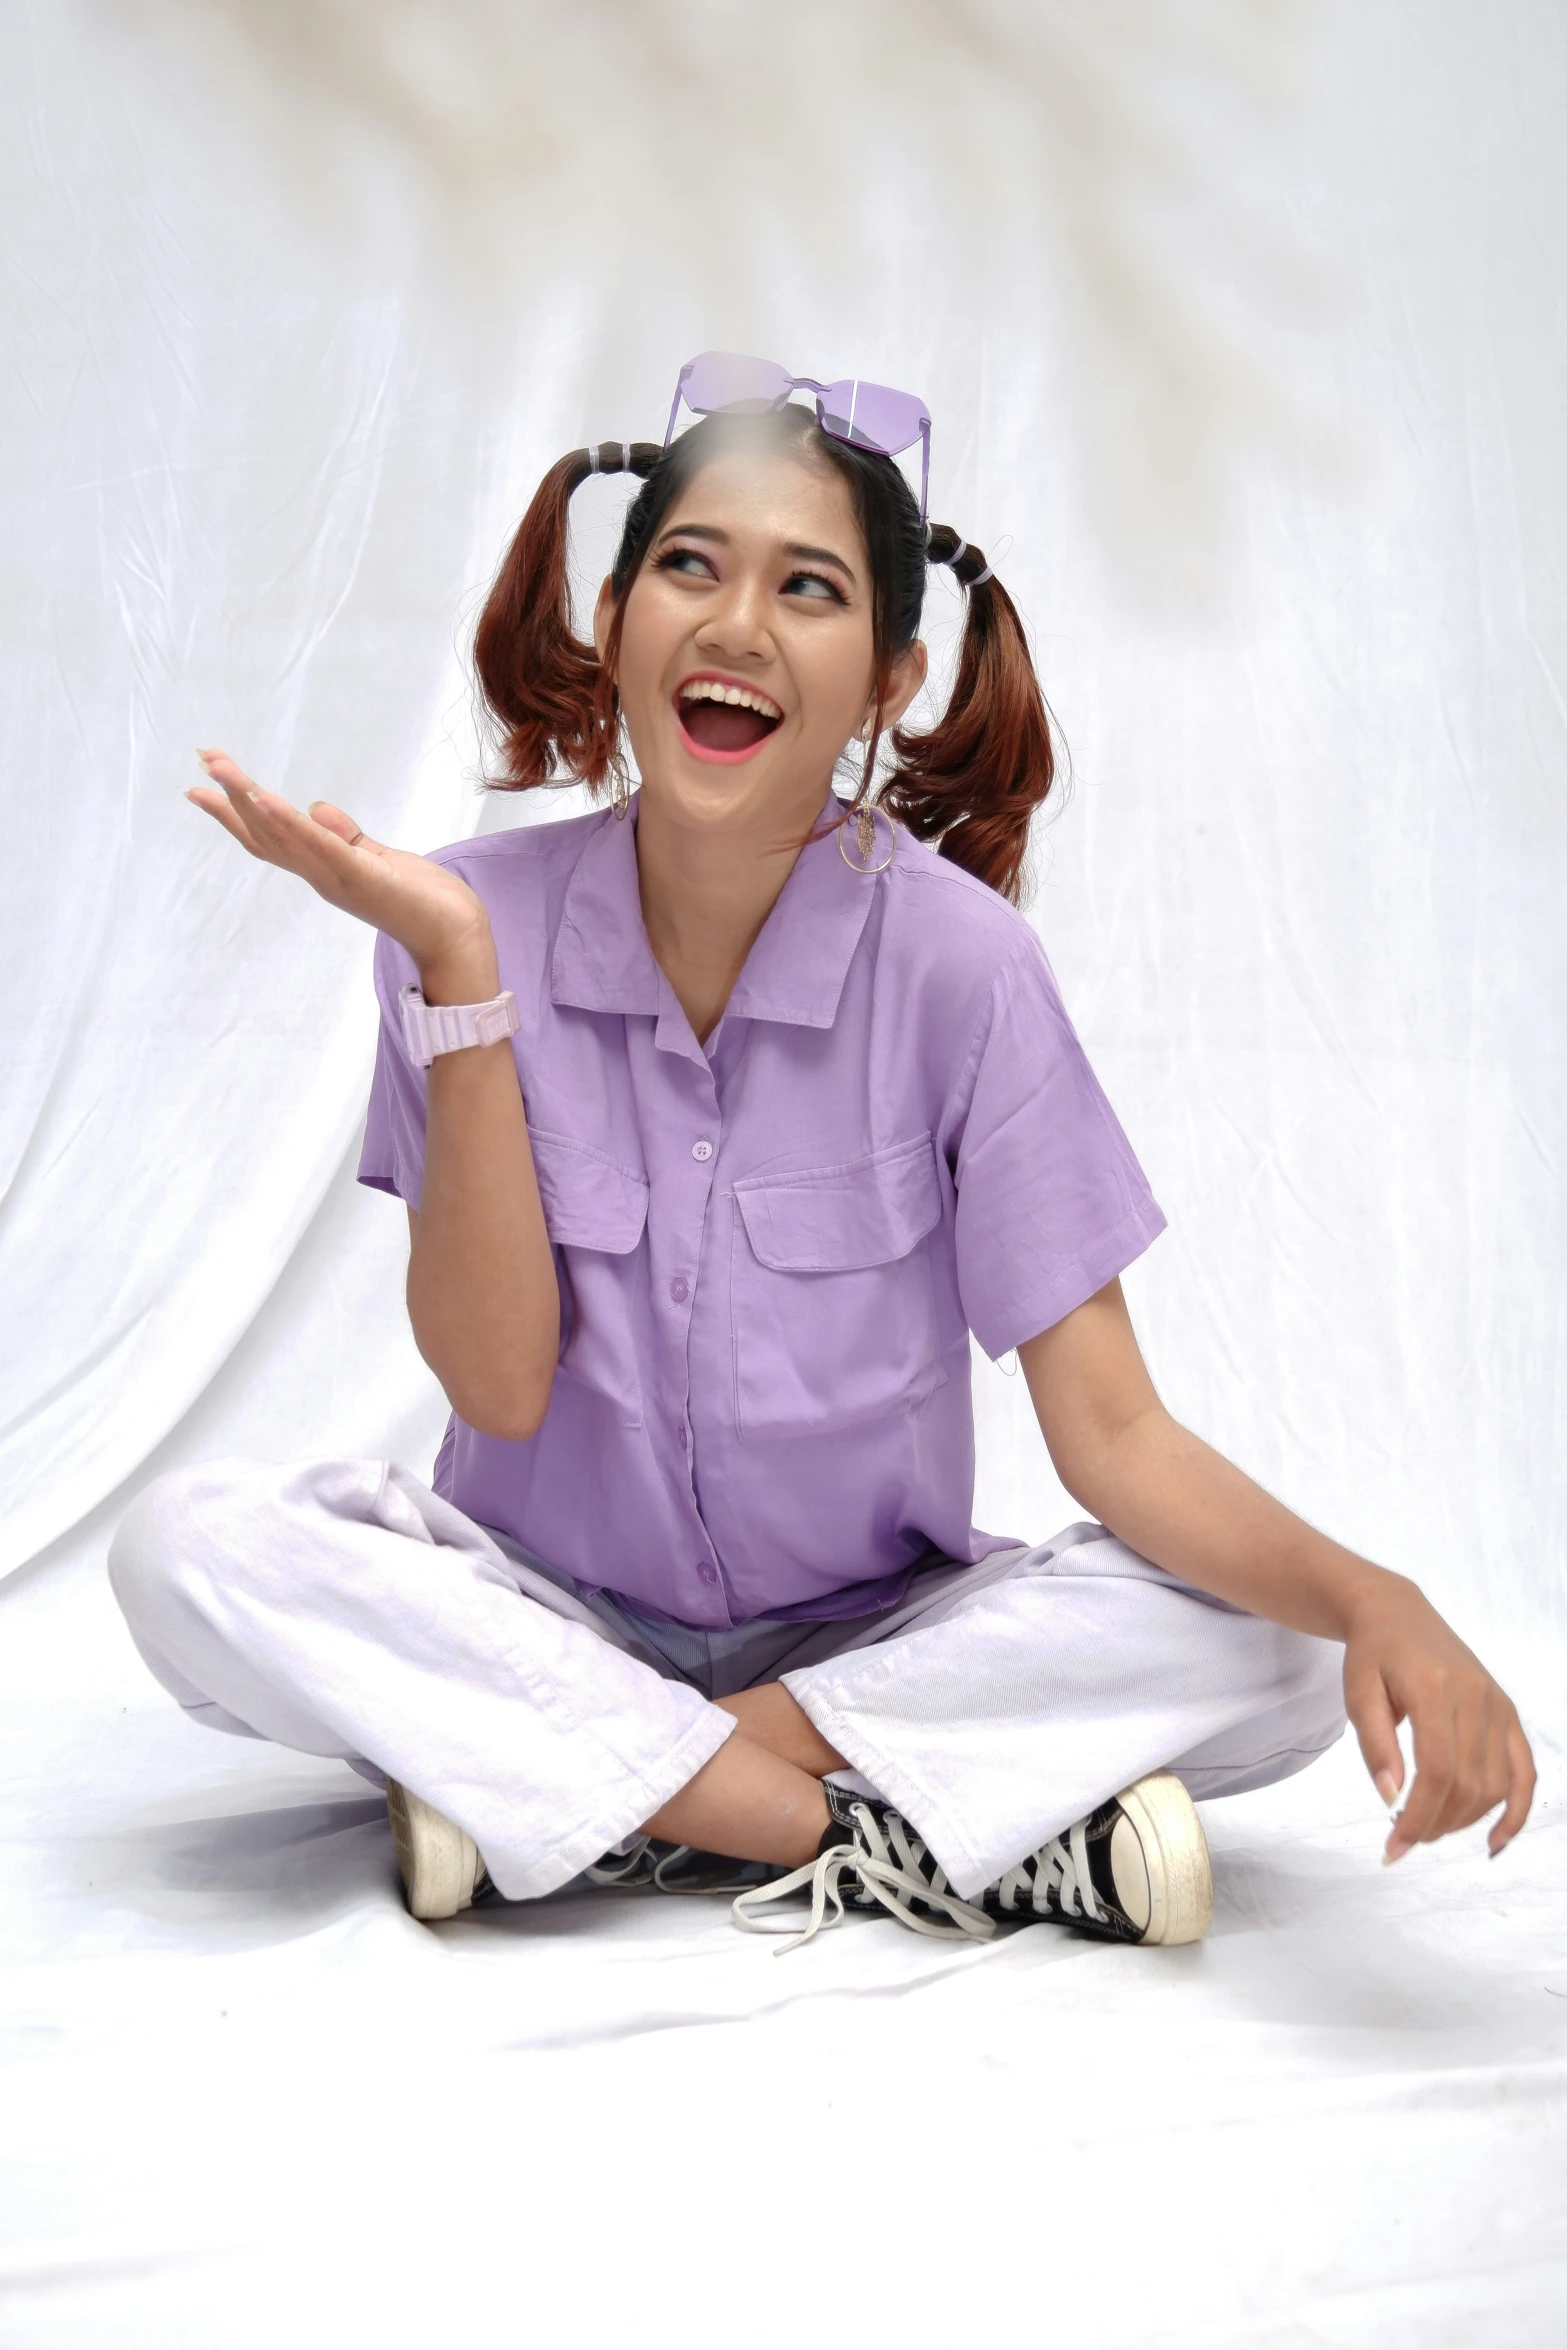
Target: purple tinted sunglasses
(867, 416)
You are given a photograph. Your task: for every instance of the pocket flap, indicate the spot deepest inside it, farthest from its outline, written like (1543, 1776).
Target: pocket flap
(589, 1202)
(840, 1219)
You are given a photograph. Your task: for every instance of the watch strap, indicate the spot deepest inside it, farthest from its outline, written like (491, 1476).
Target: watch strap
(429, 1029)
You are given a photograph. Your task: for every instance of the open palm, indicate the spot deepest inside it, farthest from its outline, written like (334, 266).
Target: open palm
(431, 912)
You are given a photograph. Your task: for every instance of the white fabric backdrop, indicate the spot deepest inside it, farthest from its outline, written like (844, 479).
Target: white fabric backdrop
(1305, 899)
(1243, 336)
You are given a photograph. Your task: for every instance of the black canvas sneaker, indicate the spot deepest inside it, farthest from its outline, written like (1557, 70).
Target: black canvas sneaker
(444, 1873)
(678, 1868)
(1136, 1870)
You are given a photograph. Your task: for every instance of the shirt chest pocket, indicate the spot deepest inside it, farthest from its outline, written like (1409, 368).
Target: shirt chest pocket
(833, 1306)
(595, 1213)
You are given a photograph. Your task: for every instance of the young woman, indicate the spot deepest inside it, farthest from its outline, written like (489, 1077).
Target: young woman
(722, 1119)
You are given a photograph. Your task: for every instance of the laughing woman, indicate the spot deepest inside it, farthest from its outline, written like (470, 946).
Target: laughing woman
(722, 1119)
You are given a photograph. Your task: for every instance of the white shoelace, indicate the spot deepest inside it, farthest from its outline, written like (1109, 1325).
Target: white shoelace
(1054, 1880)
(886, 1866)
(890, 1866)
(623, 1868)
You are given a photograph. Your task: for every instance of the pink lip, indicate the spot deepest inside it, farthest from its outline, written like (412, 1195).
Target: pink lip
(699, 750)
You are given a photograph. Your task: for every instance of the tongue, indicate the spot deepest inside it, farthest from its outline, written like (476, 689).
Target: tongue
(724, 726)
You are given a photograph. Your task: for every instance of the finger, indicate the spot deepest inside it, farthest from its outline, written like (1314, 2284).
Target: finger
(1484, 1785)
(1467, 1798)
(225, 771)
(1496, 1773)
(1435, 1767)
(212, 803)
(277, 833)
(1520, 1790)
(284, 836)
(341, 825)
(265, 815)
(234, 810)
(241, 795)
(1371, 1710)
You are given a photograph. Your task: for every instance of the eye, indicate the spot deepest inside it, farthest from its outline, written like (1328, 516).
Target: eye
(812, 588)
(686, 562)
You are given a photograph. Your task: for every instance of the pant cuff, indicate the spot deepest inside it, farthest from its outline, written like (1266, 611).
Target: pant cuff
(529, 1876)
(893, 1780)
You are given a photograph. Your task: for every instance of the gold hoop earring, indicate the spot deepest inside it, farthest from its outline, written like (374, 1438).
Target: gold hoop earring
(865, 842)
(867, 730)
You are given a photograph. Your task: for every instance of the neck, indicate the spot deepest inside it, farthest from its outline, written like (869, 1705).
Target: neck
(706, 894)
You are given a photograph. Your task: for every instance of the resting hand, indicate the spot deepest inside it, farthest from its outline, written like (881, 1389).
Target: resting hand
(431, 912)
(1403, 1663)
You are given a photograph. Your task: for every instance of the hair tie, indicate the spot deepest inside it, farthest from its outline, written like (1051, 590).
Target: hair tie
(955, 558)
(593, 458)
(980, 578)
(625, 456)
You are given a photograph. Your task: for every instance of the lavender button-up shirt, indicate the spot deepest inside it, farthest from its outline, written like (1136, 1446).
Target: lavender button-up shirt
(772, 1251)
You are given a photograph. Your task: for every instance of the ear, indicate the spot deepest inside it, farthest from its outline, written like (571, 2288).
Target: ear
(603, 614)
(908, 675)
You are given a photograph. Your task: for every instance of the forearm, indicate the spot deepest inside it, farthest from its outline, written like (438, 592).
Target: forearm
(482, 1294)
(1171, 1497)
(1181, 1504)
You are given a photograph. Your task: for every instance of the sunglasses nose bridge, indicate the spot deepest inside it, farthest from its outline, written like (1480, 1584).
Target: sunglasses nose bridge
(705, 393)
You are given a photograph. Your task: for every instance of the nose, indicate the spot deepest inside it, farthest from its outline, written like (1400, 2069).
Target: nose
(735, 626)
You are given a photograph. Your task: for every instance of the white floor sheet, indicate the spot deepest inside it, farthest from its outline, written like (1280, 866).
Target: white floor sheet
(1260, 303)
(249, 2101)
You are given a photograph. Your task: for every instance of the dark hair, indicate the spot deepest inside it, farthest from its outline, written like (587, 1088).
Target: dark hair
(969, 786)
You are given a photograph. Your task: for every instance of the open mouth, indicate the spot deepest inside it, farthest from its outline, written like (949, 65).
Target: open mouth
(724, 721)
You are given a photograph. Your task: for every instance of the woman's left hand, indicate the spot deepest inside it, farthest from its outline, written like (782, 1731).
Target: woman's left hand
(1403, 1663)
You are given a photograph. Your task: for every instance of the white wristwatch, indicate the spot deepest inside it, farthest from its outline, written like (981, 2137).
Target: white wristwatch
(429, 1029)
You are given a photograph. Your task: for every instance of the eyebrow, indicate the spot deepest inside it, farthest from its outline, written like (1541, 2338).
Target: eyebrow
(721, 538)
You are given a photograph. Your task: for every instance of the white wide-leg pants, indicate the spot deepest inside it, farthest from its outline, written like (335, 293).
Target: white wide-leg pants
(341, 1608)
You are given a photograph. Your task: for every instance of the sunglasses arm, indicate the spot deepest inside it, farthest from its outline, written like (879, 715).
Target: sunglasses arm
(924, 468)
(674, 408)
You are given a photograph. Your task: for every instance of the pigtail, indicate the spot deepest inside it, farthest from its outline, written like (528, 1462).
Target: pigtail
(554, 706)
(972, 784)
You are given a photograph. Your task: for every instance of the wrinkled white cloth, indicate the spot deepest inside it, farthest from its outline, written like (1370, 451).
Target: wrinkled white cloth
(342, 1608)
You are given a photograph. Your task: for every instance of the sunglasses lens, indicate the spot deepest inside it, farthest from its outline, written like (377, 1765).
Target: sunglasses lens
(723, 379)
(872, 416)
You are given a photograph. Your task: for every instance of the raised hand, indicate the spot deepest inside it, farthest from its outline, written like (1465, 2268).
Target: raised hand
(1402, 1662)
(428, 910)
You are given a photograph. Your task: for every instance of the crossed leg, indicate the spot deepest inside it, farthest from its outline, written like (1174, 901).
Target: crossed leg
(760, 1796)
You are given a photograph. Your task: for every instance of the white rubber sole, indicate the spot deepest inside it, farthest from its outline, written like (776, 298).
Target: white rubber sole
(1171, 1855)
(440, 1864)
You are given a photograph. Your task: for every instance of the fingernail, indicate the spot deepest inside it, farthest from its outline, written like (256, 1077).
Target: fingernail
(205, 757)
(1394, 1852)
(1387, 1787)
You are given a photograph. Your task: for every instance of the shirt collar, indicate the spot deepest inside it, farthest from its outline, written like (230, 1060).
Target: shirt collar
(794, 973)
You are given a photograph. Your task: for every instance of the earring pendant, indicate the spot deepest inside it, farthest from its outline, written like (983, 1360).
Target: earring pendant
(865, 842)
(619, 785)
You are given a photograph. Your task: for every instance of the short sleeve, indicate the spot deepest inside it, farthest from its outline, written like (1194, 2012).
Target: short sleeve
(1052, 1203)
(392, 1158)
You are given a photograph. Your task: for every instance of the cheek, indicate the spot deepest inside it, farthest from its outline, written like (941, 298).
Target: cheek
(835, 679)
(643, 646)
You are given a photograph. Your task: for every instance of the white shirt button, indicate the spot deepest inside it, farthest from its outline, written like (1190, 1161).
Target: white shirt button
(702, 1149)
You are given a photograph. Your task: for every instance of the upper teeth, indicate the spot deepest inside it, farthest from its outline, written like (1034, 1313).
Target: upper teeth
(709, 689)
